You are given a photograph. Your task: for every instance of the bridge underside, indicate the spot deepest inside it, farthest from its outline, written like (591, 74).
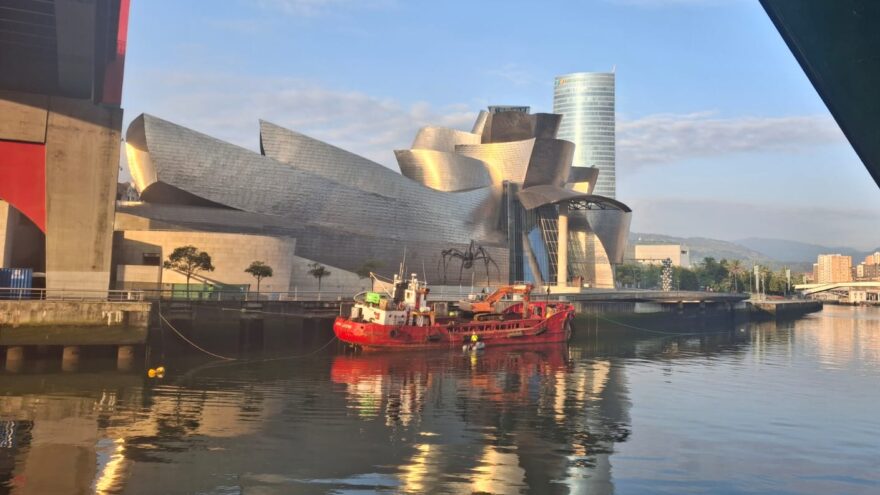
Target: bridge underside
(836, 43)
(809, 289)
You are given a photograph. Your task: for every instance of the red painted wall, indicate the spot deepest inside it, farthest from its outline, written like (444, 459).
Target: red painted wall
(115, 68)
(23, 179)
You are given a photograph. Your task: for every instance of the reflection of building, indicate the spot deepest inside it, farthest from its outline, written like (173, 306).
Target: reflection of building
(61, 67)
(834, 268)
(654, 254)
(586, 102)
(508, 186)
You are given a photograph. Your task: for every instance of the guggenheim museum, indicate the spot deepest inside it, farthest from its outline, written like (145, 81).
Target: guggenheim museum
(498, 204)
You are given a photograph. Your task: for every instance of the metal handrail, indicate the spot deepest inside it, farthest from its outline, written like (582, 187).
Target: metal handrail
(18, 293)
(448, 293)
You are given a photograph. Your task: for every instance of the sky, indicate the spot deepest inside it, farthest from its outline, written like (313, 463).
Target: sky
(719, 132)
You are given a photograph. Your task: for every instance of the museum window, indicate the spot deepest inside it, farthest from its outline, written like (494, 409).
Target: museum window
(152, 259)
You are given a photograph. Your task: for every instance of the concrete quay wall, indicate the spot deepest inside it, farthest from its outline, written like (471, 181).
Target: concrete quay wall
(48, 322)
(782, 310)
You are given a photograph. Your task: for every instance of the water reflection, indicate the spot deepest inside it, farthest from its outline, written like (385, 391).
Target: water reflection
(608, 414)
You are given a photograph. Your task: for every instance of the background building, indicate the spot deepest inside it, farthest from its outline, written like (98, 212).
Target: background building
(834, 268)
(654, 254)
(586, 102)
(495, 205)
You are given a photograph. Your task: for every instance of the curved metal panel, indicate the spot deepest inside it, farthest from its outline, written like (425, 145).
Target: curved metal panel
(536, 196)
(505, 161)
(546, 125)
(550, 162)
(504, 127)
(143, 173)
(480, 123)
(442, 139)
(611, 227)
(443, 171)
(327, 216)
(582, 179)
(315, 156)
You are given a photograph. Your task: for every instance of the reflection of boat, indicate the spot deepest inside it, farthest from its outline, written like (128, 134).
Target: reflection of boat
(351, 369)
(402, 319)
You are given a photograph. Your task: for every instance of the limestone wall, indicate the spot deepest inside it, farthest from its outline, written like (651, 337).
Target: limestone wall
(230, 255)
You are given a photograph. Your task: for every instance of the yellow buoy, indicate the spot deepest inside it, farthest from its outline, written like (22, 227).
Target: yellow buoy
(151, 373)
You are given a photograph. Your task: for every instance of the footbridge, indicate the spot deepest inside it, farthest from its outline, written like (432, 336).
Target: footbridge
(816, 288)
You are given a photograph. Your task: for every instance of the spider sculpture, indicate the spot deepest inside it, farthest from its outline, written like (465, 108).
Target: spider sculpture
(473, 254)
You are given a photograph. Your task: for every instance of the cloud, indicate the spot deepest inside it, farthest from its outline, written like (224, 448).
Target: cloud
(308, 8)
(667, 138)
(730, 220)
(228, 107)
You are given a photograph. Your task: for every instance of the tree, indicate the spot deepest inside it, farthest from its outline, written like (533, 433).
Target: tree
(735, 269)
(260, 271)
(368, 267)
(189, 261)
(318, 271)
(687, 279)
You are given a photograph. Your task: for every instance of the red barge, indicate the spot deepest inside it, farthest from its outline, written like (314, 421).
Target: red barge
(402, 319)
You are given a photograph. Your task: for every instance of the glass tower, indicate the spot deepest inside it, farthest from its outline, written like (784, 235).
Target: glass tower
(586, 102)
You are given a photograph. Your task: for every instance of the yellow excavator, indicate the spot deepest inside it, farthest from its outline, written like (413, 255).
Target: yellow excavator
(483, 308)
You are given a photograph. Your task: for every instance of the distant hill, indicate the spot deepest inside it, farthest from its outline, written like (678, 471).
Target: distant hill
(775, 253)
(782, 250)
(702, 247)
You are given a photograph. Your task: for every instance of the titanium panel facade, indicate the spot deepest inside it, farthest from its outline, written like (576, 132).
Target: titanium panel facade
(505, 161)
(344, 210)
(550, 162)
(338, 223)
(586, 102)
(509, 126)
(443, 139)
(583, 179)
(443, 171)
(610, 226)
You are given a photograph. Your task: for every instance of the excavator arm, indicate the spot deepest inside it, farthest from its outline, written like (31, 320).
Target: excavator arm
(488, 305)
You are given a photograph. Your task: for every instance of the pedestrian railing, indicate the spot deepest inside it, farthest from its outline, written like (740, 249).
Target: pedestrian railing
(17, 293)
(439, 293)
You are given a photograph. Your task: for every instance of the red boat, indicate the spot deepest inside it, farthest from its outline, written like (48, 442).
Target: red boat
(402, 319)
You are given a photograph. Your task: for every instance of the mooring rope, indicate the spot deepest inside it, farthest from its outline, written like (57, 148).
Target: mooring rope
(190, 342)
(243, 310)
(227, 358)
(659, 332)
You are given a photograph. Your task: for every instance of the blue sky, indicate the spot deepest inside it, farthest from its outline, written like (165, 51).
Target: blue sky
(720, 134)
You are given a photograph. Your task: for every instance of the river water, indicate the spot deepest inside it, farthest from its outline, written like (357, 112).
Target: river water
(767, 408)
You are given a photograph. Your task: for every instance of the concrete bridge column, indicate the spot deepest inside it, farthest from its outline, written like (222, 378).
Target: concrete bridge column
(562, 247)
(14, 358)
(70, 358)
(124, 357)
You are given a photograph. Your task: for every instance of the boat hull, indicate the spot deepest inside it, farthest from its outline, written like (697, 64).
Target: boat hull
(512, 330)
